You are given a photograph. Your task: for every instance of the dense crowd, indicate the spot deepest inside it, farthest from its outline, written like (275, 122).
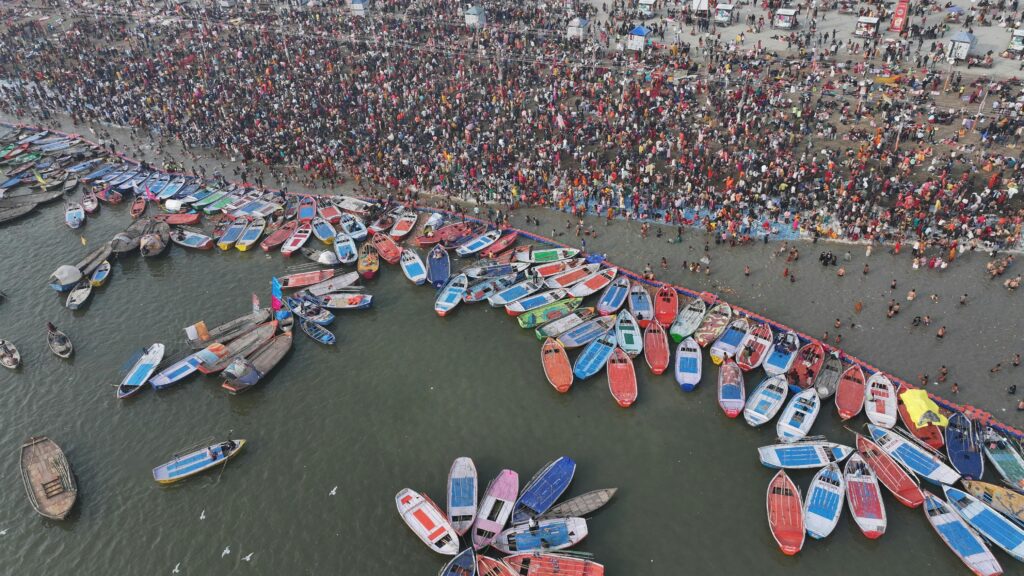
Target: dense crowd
(720, 133)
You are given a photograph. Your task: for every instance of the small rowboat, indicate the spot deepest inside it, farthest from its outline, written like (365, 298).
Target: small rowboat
(138, 207)
(713, 325)
(889, 472)
(586, 332)
(991, 525)
(627, 334)
(491, 270)
(864, 497)
(328, 211)
(386, 248)
(444, 234)
(614, 296)
(557, 368)
(807, 365)
(246, 343)
(58, 342)
(307, 209)
(463, 564)
(79, 295)
(534, 302)
(782, 354)
(732, 395)
(100, 274)
(593, 283)
(303, 279)
(544, 314)
(880, 401)
(657, 354)
(192, 463)
(317, 332)
(916, 458)
(688, 320)
(803, 455)
(1002, 499)
(785, 514)
(594, 356)
(74, 214)
(90, 203)
(487, 288)
(439, 267)
(369, 261)
(247, 371)
(251, 234)
(621, 378)
(141, 371)
(501, 244)
(109, 195)
(640, 303)
(546, 486)
(826, 382)
(346, 301)
(1004, 458)
(279, 236)
(824, 503)
(335, 284)
(850, 393)
(929, 434)
(571, 276)
(322, 257)
(189, 238)
(688, 364)
(48, 478)
(477, 243)
(487, 566)
(384, 222)
(451, 294)
(297, 240)
(964, 447)
(353, 227)
(729, 342)
(546, 535)
(798, 416)
(555, 268)
(462, 494)
(345, 248)
(309, 308)
(322, 230)
(666, 305)
(185, 219)
(412, 267)
(546, 255)
(495, 508)
(560, 326)
(541, 564)
(754, 348)
(766, 400)
(960, 537)
(403, 225)
(516, 292)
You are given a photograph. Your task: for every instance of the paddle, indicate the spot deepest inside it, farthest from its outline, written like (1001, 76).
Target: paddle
(226, 458)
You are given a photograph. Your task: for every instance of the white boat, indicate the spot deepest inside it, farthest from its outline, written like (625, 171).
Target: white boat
(688, 320)
(345, 248)
(451, 294)
(79, 295)
(412, 267)
(730, 340)
(547, 535)
(427, 521)
(516, 292)
(963, 540)
(992, 525)
(571, 276)
(880, 401)
(783, 352)
(463, 485)
(919, 459)
(824, 502)
(799, 416)
(478, 243)
(534, 301)
(353, 227)
(766, 400)
(352, 205)
(803, 455)
(628, 335)
(688, 364)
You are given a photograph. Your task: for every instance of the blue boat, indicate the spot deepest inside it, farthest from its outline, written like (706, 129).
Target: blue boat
(806, 454)
(516, 292)
(824, 501)
(489, 287)
(136, 181)
(309, 310)
(157, 184)
(595, 356)
(196, 461)
(920, 460)
(478, 243)
(964, 446)
(995, 527)
(13, 181)
(171, 189)
(345, 248)
(99, 172)
(317, 332)
(354, 227)
(782, 354)
(180, 370)
(464, 564)
(112, 175)
(124, 177)
(439, 266)
(546, 486)
(186, 191)
(82, 166)
(451, 294)
(140, 372)
(614, 296)
(201, 194)
(766, 400)
(546, 536)
(587, 332)
(960, 537)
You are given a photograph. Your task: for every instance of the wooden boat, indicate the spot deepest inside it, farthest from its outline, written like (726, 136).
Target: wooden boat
(593, 283)
(487, 566)
(960, 537)
(1005, 458)
(850, 393)
(507, 239)
(15, 212)
(689, 319)
(798, 416)
(666, 304)
(297, 240)
(713, 325)
(880, 401)
(328, 210)
(179, 219)
(732, 395)
(109, 195)
(346, 301)
(138, 207)
(754, 348)
(89, 202)
(546, 271)
(245, 372)
(251, 234)
(156, 240)
(640, 303)
(991, 525)
(541, 564)
(307, 210)
(824, 503)
(864, 497)
(560, 326)
(495, 509)
(369, 261)
(488, 287)
(309, 308)
(100, 274)
(516, 292)
(804, 454)
(233, 233)
(621, 378)
(47, 477)
(930, 434)
(79, 295)
(546, 535)
(730, 341)
(535, 302)
(627, 334)
(544, 314)
(827, 381)
(279, 236)
(964, 446)
(766, 400)
(916, 458)
(191, 463)
(303, 279)
(322, 230)
(74, 215)
(595, 356)
(614, 296)
(189, 238)
(657, 354)
(439, 266)
(412, 267)
(477, 243)
(892, 475)
(445, 233)
(586, 332)
(243, 345)
(463, 564)
(382, 223)
(688, 364)
(782, 354)
(1004, 500)
(58, 342)
(546, 255)
(141, 371)
(181, 369)
(198, 335)
(808, 363)
(785, 514)
(386, 248)
(337, 283)
(317, 332)
(557, 368)
(345, 249)
(541, 492)
(582, 505)
(451, 294)
(571, 276)
(462, 494)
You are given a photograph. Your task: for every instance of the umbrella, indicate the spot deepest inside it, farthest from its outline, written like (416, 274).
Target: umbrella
(955, 10)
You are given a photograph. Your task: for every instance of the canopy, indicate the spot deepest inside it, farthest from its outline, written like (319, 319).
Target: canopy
(955, 10)
(639, 31)
(961, 36)
(921, 409)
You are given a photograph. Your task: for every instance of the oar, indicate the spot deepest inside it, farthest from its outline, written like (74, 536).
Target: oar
(226, 458)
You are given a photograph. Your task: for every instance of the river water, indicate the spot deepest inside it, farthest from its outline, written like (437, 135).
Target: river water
(402, 394)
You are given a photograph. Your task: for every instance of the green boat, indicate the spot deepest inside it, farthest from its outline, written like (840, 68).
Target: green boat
(552, 311)
(7, 150)
(547, 255)
(217, 195)
(557, 327)
(221, 203)
(1003, 455)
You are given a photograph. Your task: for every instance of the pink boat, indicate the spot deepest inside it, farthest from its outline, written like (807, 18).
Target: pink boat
(297, 239)
(495, 508)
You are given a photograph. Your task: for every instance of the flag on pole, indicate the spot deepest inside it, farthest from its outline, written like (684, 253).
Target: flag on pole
(255, 303)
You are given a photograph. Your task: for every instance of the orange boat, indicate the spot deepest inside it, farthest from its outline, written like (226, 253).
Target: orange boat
(279, 236)
(807, 366)
(487, 566)
(138, 207)
(506, 240)
(622, 378)
(786, 514)
(178, 219)
(369, 262)
(387, 248)
(666, 306)
(539, 564)
(303, 279)
(850, 393)
(930, 434)
(556, 363)
(656, 350)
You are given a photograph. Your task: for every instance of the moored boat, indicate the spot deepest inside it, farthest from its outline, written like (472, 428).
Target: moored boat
(688, 320)
(317, 332)
(640, 304)
(386, 248)
(306, 210)
(593, 283)
(925, 431)
(824, 503)
(196, 461)
(688, 364)
(807, 365)
(477, 243)
(559, 326)
(880, 401)
(782, 354)
(1005, 458)
(614, 296)
(451, 294)
(960, 537)
(495, 509)
(48, 478)
(1002, 499)
(766, 400)
(850, 393)
(541, 492)
(547, 313)
(993, 526)
(964, 446)
(427, 521)
(621, 377)
(58, 342)
(627, 334)
(864, 497)
(586, 332)
(729, 342)
(245, 372)
(189, 238)
(918, 459)
(546, 255)
(571, 276)
(547, 564)
(805, 454)
(462, 494)
(890, 473)
(582, 505)
(731, 392)
(369, 261)
(594, 356)
(79, 295)
(438, 266)
(233, 233)
(345, 249)
(827, 380)
(497, 249)
(547, 535)
(100, 274)
(557, 368)
(754, 348)
(666, 305)
(534, 301)
(297, 239)
(713, 324)
(279, 236)
(463, 564)
(785, 514)
(140, 372)
(251, 234)
(798, 416)
(304, 279)
(657, 353)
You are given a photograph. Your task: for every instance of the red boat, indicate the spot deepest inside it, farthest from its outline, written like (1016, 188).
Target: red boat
(307, 209)
(382, 224)
(666, 305)
(553, 268)
(506, 240)
(443, 234)
(808, 364)
(890, 473)
(138, 207)
(329, 211)
(487, 566)
(756, 345)
(786, 514)
(178, 219)
(109, 195)
(557, 367)
(538, 564)
(850, 393)
(656, 349)
(297, 239)
(303, 279)
(930, 434)
(622, 378)
(473, 231)
(278, 236)
(387, 248)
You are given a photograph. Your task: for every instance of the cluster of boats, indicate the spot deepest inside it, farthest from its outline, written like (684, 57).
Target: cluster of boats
(40, 168)
(540, 530)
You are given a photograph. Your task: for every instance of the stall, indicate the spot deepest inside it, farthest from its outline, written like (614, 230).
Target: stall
(637, 39)
(358, 7)
(961, 45)
(867, 27)
(578, 29)
(723, 14)
(1016, 46)
(700, 8)
(646, 7)
(475, 17)
(785, 19)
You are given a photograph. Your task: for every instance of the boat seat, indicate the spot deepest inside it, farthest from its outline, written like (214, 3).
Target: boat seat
(53, 488)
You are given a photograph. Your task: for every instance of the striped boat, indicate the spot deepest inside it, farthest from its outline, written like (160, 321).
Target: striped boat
(544, 314)
(192, 463)
(918, 459)
(803, 454)
(766, 400)
(992, 525)
(960, 537)
(824, 503)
